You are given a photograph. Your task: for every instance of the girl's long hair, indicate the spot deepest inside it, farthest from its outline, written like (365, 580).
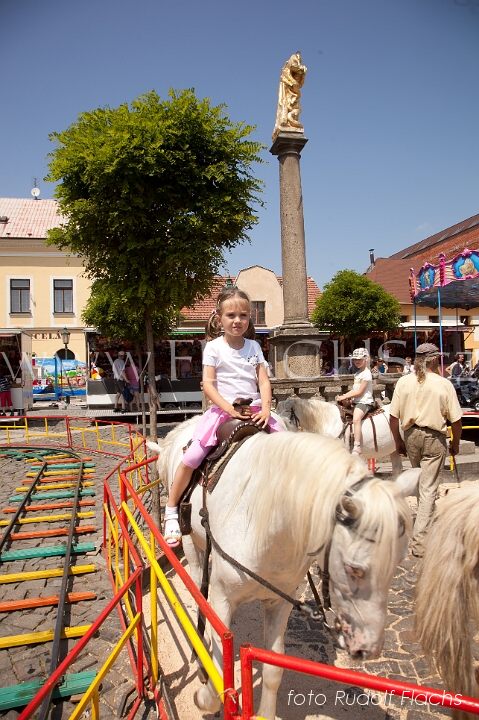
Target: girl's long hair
(213, 327)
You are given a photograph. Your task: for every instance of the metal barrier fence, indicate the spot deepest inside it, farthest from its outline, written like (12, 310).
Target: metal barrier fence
(130, 543)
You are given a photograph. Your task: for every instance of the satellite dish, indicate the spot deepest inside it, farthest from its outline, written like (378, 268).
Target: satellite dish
(35, 192)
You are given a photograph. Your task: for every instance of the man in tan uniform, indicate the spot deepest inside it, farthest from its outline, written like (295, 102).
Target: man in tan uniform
(423, 402)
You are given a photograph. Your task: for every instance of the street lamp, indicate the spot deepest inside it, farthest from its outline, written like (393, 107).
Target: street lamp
(65, 335)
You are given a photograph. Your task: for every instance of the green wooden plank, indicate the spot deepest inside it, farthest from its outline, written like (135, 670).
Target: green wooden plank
(68, 466)
(20, 695)
(48, 551)
(55, 495)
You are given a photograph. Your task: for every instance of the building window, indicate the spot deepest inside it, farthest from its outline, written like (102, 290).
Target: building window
(258, 312)
(433, 318)
(19, 296)
(404, 318)
(63, 296)
(464, 319)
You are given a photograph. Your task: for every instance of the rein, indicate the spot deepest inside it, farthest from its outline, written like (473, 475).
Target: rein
(317, 613)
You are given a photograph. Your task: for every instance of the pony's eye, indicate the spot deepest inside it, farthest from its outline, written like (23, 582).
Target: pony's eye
(355, 572)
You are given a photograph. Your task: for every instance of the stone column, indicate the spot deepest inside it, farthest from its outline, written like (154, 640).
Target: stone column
(287, 147)
(297, 353)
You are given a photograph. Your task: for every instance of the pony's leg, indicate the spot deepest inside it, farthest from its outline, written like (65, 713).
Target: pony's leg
(396, 462)
(206, 698)
(276, 614)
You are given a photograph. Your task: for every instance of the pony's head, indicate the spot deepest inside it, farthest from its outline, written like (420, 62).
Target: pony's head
(369, 540)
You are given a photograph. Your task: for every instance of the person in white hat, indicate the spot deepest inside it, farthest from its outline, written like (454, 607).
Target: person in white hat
(361, 394)
(423, 402)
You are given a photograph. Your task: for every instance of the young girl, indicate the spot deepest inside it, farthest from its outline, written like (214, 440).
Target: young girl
(361, 394)
(233, 367)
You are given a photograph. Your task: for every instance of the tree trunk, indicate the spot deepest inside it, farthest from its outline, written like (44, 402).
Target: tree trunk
(154, 406)
(139, 353)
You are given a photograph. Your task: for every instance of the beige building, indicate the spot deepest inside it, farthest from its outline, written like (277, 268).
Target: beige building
(44, 289)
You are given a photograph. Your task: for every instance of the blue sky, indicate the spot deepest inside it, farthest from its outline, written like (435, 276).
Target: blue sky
(390, 104)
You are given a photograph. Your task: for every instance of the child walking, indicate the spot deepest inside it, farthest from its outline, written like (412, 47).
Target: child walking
(233, 367)
(361, 394)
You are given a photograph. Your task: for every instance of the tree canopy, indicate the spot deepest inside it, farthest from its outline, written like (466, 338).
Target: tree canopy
(352, 306)
(153, 193)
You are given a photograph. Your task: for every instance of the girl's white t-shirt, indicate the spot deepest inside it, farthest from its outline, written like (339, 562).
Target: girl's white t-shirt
(367, 396)
(235, 369)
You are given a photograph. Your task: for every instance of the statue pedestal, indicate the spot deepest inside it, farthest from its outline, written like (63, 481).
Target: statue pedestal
(297, 352)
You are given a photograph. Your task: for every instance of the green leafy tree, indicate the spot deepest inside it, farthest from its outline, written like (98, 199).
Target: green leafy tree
(352, 306)
(152, 194)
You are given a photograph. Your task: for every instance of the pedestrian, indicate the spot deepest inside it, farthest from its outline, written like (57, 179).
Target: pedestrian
(133, 379)
(408, 366)
(422, 404)
(382, 366)
(233, 367)
(456, 368)
(121, 381)
(6, 405)
(361, 394)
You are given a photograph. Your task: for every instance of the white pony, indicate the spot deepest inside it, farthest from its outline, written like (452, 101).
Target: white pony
(319, 416)
(449, 573)
(282, 500)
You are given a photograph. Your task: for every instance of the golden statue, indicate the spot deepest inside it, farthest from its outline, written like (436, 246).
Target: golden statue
(290, 84)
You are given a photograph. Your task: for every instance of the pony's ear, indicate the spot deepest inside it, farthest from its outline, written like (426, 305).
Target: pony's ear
(407, 481)
(350, 507)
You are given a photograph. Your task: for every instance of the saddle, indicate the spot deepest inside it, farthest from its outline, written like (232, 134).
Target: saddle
(346, 412)
(230, 435)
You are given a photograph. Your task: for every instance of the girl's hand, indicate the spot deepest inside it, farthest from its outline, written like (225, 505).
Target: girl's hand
(261, 418)
(237, 415)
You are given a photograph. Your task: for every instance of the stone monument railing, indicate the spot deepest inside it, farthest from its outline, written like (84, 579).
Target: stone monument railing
(329, 387)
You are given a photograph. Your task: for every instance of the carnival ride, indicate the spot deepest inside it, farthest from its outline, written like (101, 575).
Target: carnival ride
(451, 283)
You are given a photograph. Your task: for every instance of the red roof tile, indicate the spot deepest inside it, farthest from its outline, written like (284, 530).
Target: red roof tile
(393, 275)
(203, 308)
(433, 245)
(28, 218)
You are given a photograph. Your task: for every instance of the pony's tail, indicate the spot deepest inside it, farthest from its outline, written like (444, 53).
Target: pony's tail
(451, 563)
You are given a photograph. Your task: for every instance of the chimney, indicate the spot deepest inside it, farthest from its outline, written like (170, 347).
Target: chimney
(371, 256)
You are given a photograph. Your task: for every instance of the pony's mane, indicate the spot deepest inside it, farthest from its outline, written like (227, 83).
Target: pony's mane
(314, 473)
(450, 573)
(314, 414)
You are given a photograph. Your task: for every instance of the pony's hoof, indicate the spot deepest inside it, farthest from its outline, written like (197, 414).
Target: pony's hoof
(205, 701)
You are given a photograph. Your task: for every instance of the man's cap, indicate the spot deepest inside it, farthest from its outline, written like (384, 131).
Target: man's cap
(428, 350)
(360, 354)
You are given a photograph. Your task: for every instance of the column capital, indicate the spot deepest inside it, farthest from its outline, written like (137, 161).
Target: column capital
(288, 142)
